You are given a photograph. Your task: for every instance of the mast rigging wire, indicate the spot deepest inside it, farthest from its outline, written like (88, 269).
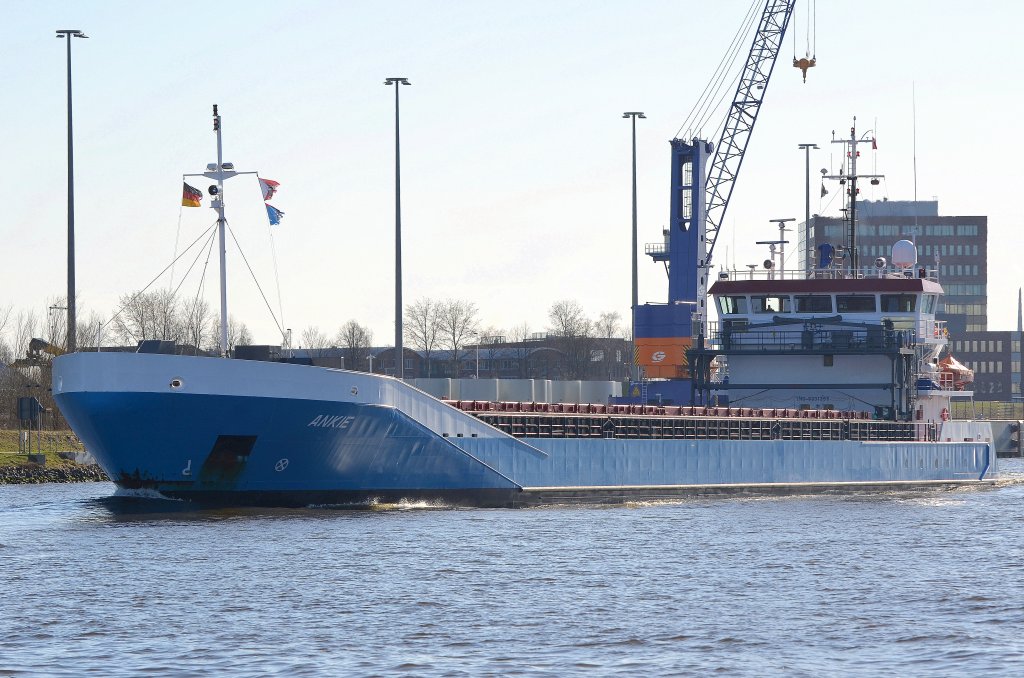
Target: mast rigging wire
(258, 286)
(158, 275)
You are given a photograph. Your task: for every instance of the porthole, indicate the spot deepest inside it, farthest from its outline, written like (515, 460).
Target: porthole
(177, 383)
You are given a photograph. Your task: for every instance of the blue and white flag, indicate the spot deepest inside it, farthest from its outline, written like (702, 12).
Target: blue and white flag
(274, 214)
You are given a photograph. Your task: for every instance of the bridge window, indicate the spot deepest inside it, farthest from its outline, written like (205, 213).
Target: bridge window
(814, 303)
(855, 303)
(732, 305)
(929, 303)
(762, 304)
(899, 303)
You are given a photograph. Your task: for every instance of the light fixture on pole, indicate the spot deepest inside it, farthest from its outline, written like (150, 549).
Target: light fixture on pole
(634, 115)
(68, 33)
(399, 351)
(808, 236)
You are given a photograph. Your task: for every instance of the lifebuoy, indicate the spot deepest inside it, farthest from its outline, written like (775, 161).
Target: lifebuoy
(945, 414)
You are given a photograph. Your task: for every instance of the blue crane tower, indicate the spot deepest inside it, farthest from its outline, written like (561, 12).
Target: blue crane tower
(703, 177)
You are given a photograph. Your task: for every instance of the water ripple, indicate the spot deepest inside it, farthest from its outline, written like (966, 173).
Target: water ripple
(892, 583)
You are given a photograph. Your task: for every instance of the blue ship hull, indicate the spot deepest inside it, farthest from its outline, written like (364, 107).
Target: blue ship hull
(247, 433)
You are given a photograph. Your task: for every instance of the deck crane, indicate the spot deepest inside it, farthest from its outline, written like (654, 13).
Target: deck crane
(703, 179)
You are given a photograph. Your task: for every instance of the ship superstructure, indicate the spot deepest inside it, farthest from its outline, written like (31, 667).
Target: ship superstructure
(828, 341)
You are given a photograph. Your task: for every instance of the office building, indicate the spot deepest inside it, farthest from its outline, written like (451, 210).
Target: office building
(957, 246)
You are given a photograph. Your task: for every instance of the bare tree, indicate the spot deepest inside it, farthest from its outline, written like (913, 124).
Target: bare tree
(197, 323)
(315, 341)
(6, 352)
(25, 327)
(5, 317)
(575, 336)
(458, 320)
(356, 340)
(56, 321)
(238, 334)
(608, 325)
(88, 329)
(422, 326)
(148, 315)
(244, 335)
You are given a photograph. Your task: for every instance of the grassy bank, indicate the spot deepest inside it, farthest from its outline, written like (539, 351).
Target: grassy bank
(50, 443)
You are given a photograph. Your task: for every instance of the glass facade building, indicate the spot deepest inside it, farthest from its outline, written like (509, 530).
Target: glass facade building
(956, 246)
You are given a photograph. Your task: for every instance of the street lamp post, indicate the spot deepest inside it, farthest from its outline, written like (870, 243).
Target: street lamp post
(634, 115)
(399, 351)
(68, 33)
(807, 193)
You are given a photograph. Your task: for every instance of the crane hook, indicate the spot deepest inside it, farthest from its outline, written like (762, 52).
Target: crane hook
(804, 64)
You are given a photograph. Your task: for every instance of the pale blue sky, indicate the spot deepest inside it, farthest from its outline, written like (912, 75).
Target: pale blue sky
(515, 156)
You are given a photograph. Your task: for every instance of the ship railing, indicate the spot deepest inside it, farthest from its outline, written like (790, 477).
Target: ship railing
(739, 339)
(890, 272)
(579, 425)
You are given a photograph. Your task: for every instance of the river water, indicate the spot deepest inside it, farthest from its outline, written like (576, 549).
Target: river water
(926, 583)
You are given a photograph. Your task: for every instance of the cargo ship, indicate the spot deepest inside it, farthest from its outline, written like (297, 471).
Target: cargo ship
(827, 380)
(833, 384)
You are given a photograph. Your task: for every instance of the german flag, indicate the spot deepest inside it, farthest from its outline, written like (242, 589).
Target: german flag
(191, 196)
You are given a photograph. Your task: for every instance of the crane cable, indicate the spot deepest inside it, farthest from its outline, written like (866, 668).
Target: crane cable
(709, 111)
(811, 47)
(728, 58)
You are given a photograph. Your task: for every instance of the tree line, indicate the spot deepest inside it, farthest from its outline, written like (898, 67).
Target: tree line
(448, 326)
(437, 328)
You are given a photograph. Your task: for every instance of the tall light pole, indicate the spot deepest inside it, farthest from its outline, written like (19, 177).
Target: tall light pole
(807, 195)
(634, 115)
(399, 351)
(68, 33)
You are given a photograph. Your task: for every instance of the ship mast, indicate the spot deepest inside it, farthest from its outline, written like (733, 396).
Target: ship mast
(852, 154)
(218, 204)
(220, 171)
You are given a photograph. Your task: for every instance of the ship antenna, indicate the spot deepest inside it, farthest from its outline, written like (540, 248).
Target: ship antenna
(218, 204)
(913, 113)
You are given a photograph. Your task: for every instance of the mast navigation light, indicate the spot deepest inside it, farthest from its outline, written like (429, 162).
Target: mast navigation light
(227, 165)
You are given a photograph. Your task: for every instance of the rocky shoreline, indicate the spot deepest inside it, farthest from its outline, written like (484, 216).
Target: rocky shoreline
(23, 475)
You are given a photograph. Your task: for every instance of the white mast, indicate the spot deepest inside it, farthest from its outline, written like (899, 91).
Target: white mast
(220, 171)
(218, 204)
